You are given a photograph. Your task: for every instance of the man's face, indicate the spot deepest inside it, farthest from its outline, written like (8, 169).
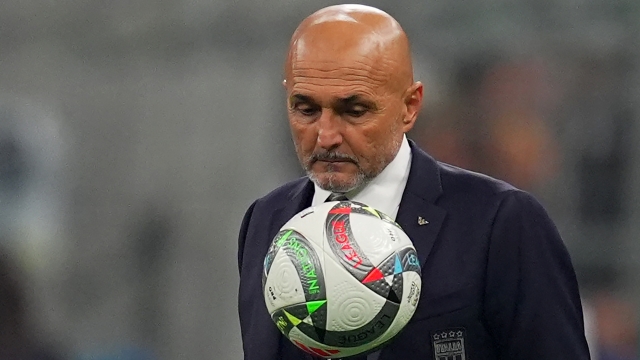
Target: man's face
(345, 118)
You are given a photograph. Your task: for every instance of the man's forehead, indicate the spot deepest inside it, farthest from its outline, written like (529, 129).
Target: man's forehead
(356, 69)
(328, 95)
(333, 99)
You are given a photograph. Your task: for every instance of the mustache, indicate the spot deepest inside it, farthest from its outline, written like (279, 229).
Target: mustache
(332, 156)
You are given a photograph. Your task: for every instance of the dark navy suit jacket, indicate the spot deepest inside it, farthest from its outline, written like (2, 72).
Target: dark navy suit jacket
(495, 272)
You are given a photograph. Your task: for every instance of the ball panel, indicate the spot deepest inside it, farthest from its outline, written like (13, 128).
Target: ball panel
(368, 332)
(348, 300)
(342, 241)
(411, 295)
(282, 285)
(387, 283)
(314, 347)
(376, 239)
(293, 271)
(410, 262)
(407, 308)
(283, 322)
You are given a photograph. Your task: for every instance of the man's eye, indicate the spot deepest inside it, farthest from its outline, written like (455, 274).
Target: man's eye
(305, 110)
(356, 111)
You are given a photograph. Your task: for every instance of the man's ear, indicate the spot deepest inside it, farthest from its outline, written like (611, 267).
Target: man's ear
(413, 104)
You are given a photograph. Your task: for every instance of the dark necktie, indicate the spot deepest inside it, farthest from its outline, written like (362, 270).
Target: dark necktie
(337, 197)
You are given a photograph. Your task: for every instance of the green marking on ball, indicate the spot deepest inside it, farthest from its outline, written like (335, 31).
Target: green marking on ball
(312, 306)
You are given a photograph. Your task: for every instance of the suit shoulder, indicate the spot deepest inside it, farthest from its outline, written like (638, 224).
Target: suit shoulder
(458, 181)
(479, 193)
(284, 192)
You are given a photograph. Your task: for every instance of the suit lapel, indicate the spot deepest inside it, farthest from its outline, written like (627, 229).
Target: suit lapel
(298, 199)
(418, 215)
(421, 220)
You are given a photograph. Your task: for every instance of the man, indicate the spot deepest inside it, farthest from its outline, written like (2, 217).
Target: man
(497, 279)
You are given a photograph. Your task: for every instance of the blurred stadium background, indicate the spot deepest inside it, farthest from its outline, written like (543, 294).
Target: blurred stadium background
(134, 134)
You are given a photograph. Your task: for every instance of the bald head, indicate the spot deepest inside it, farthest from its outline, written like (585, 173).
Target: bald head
(340, 33)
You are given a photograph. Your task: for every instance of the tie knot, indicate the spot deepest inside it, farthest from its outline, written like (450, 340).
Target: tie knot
(337, 197)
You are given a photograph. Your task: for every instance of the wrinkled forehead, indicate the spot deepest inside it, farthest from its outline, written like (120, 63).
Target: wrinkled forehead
(352, 74)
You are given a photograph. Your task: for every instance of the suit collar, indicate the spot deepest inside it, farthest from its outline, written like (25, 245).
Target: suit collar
(424, 176)
(301, 193)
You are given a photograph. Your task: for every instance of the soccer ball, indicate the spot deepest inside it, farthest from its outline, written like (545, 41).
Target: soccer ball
(341, 279)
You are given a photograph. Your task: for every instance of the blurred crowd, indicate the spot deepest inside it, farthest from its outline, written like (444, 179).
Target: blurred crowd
(495, 121)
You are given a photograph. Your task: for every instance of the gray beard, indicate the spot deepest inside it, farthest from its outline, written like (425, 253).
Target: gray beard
(360, 180)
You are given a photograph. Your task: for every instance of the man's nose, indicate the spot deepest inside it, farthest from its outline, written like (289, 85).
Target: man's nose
(329, 130)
